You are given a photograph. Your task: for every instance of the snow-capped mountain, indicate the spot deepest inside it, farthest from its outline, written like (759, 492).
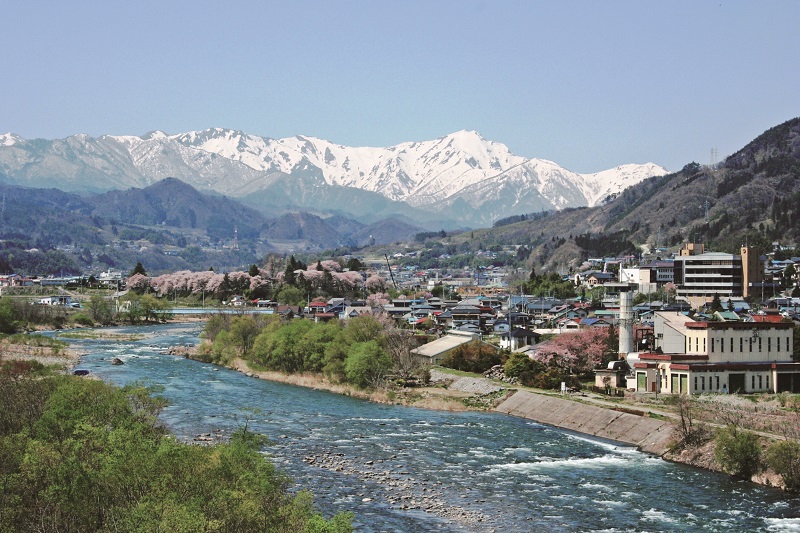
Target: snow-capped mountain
(461, 176)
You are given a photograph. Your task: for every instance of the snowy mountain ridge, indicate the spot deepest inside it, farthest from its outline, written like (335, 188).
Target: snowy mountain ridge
(461, 168)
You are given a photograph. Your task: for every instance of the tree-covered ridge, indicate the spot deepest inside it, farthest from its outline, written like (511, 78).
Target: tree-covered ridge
(80, 455)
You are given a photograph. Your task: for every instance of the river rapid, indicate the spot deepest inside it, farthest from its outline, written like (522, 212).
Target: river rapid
(406, 469)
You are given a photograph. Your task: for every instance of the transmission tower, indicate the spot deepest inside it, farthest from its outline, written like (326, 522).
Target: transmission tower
(236, 237)
(714, 154)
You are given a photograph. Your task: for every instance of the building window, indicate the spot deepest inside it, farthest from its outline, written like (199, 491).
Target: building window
(752, 383)
(704, 345)
(703, 382)
(759, 344)
(760, 384)
(741, 345)
(717, 382)
(769, 344)
(696, 388)
(697, 344)
(778, 339)
(712, 345)
(767, 381)
(731, 344)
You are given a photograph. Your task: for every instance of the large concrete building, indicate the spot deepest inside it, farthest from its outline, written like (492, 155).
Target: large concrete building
(693, 357)
(701, 277)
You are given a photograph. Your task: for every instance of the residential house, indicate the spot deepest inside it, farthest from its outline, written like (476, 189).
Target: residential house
(288, 311)
(518, 338)
(596, 279)
(587, 323)
(435, 351)
(237, 300)
(61, 300)
(501, 326)
(467, 314)
(354, 311)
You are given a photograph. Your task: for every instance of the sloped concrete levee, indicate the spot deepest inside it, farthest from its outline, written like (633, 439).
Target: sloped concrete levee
(647, 434)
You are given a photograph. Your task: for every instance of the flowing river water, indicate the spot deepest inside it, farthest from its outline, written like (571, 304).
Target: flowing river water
(406, 469)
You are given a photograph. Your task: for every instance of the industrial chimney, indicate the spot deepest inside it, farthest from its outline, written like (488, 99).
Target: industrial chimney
(625, 321)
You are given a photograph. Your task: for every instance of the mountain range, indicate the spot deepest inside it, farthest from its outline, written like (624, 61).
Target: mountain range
(460, 180)
(751, 198)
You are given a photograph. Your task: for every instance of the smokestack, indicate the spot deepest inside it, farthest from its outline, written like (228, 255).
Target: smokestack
(625, 322)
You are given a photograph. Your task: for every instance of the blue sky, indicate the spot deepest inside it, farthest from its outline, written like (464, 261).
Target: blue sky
(589, 85)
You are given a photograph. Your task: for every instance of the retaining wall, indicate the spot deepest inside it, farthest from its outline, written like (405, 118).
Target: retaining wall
(647, 434)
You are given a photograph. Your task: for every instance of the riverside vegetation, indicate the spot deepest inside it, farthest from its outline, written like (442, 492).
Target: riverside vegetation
(363, 351)
(81, 455)
(751, 438)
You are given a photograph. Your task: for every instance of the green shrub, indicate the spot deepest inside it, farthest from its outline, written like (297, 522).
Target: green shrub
(738, 452)
(474, 357)
(550, 378)
(82, 319)
(80, 455)
(367, 364)
(516, 364)
(784, 458)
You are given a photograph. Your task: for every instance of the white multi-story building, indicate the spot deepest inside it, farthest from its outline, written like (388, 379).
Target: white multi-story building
(693, 357)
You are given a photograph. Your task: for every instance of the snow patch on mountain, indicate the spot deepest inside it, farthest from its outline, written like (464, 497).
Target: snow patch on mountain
(10, 139)
(461, 171)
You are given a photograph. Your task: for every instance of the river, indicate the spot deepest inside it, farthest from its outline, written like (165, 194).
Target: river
(476, 471)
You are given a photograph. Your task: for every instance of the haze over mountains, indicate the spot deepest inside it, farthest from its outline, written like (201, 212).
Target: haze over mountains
(458, 180)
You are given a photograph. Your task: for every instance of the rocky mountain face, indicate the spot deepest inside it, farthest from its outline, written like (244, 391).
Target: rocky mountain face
(752, 197)
(461, 179)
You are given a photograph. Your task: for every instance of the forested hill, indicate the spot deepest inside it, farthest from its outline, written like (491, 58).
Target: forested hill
(168, 226)
(752, 197)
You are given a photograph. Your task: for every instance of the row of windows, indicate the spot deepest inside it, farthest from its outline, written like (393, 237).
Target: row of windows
(713, 383)
(720, 343)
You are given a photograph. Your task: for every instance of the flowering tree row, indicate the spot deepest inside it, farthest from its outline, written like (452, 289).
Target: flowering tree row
(184, 282)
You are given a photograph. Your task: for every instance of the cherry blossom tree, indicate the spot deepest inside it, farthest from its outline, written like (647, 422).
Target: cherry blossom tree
(578, 351)
(376, 283)
(138, 283)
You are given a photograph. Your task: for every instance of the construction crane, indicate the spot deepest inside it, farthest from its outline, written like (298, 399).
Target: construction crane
(390, 271)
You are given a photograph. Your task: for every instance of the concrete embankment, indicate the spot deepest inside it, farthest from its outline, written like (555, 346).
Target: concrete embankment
(647, 434)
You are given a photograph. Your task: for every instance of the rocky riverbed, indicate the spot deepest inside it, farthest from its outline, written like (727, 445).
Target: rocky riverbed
(399, 489)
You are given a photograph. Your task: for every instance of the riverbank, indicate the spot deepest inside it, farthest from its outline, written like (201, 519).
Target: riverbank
(648, 431)
(437, 396)
(64, 359)
(646, 434)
